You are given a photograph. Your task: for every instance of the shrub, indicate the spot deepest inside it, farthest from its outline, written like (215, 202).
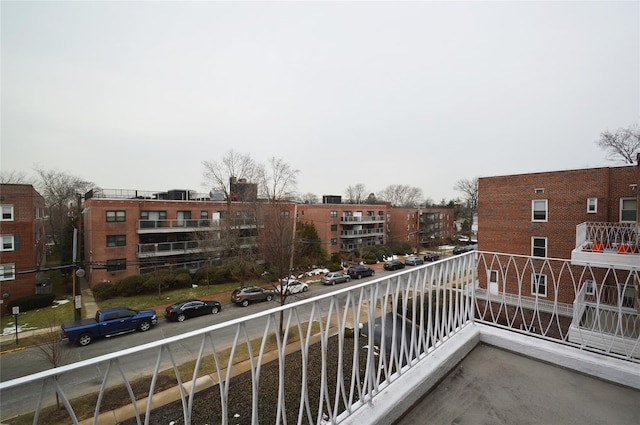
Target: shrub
(212, 275)
(182, 280)
(131, 285)
(104, 291)
(32, 302)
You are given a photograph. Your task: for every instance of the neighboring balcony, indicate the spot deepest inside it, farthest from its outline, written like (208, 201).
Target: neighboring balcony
(607, 244)
(166, 249)
(365, 219)
(362, 232)
(173, 226)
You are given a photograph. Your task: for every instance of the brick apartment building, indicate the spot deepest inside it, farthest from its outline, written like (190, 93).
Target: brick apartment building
(423, 228)
(22, 231)
(132, 232)
(548, 214)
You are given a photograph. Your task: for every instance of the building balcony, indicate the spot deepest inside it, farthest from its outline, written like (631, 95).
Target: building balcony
(166, 249)
(406, 331)
(173, 226)
(607, 244)
(365, 219)
(345, 234)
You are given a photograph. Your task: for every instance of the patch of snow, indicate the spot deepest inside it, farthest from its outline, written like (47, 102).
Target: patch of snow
(11, 329)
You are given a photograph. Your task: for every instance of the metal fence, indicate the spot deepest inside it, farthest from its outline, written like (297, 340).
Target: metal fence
(320, 359)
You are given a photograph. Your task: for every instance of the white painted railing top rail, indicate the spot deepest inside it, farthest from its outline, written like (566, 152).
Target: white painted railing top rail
(338, 367)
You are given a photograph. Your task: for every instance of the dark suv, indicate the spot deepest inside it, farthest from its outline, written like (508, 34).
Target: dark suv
(356, 272)
(246, 294)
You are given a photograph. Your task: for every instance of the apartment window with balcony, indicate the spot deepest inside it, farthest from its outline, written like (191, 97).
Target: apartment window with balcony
(7, 271)
(628, 210)
(539, 210)
(539, 284)
(8, 243)
(153, 215)
(334, 227)
(347, 213)
(116, 216)
(116, 240)
(592, 205)
(7, 213)
(116, 265)
(334, 213)
(539, 247)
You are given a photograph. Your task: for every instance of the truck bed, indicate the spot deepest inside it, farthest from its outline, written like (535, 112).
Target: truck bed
(77, 323)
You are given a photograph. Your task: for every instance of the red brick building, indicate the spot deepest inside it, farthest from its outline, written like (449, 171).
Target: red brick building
(422, 228)
(23, 240)
(541, 214)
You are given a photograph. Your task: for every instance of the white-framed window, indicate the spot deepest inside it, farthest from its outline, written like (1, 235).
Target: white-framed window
(539, 284)
(8, 243)
(538, 246)
(116, 216)
(333, 213)
(589, 287)
(7, 271)
(592, 205)
(539, 210)
(628, 210)
(7, 213)
(116, 240)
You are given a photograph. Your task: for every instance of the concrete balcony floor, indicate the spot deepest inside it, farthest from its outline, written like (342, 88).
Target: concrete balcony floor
(495, 386)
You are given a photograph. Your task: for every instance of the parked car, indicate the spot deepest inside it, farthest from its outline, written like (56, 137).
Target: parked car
(335, 277)
(186, 309)
(413, 261)
(356, 272)
(248, 294)
(431, 256)
(317, 272)
(108, 322)
(292, 287)
(462, 249)
(393, 265)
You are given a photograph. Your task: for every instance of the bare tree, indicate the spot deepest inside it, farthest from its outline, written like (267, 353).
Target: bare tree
(401, 195)
(278, 180)
(470, 190)
(59, 190)
(356, 194)
(51, 347)
(622, 145)
(218, 175)
(15, 177)
(309, 198)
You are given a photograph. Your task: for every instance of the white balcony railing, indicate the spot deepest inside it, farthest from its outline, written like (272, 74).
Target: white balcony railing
(407, 317)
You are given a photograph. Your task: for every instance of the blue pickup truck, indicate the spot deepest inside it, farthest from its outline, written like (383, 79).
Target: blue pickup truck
(108, 322)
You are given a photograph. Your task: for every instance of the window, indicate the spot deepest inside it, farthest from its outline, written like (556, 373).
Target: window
(538, 247)
(7, 271)
(539, 210)
(589, 287)
(116, 240)
(115, 265)
(8, 243)
(7, 213)
(334, 241)
(116, 216)
(153, 215)
(592, 205)
(334, 213)
(539, 284)
(539, 190)
(334, 227)
(204, 215)
(628, 209)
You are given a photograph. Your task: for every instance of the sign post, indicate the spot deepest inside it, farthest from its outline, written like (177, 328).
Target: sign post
(16, 311)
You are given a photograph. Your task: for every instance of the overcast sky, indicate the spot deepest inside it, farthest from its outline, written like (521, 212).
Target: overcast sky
(135, 95)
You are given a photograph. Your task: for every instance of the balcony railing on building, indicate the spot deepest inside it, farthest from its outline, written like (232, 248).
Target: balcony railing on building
(363, 219)
(361, 232)
(603, 244)
(165, 249)
(393, 325)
